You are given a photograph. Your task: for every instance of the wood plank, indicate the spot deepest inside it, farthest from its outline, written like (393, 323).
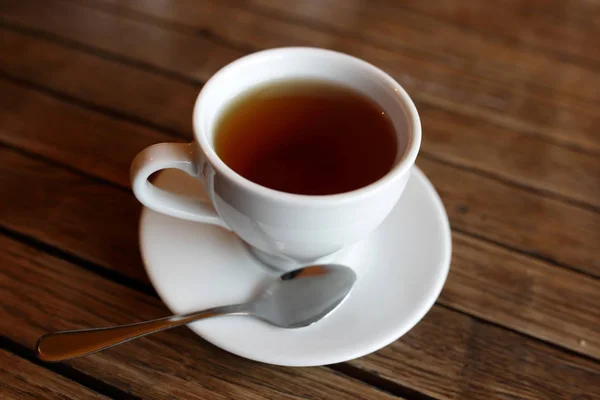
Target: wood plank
(125, 38)
(434, 80)
(525, 294)
(529, 222)
(119, 88)
(67, 211)
(534, 224)
(554, 118)
(55, 129)
(387, 25)
(456, 357)
(566, 29)
(22, 380)
(448, 355)
(511, 156)
(43, 294)
(168, 103)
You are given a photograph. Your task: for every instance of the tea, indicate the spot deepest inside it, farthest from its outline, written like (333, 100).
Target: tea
(306, 137)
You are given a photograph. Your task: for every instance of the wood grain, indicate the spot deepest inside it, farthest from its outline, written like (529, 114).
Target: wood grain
(467, 207)
(563, 29)
(506, 105)
(22, 380)
(70, 212)
(83, 136)
(456, 357)
(524, 294)
(491, 97)
(166, 103)
(45, 294)
(120, 38)
(385, 25)
(510, 141)
(117, 88)
(532, 223)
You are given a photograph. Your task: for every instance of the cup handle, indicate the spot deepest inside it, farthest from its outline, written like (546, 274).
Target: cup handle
(182, 156)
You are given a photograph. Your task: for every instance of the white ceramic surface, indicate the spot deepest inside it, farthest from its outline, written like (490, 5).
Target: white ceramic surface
(401, 269)
(284, 229)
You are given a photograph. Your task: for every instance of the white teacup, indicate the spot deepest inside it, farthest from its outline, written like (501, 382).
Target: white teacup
(283, 230)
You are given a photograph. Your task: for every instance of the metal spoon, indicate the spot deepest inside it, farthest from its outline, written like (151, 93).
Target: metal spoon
(293, 300)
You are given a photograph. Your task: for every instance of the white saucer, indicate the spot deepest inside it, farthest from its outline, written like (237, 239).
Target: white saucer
(401, 269)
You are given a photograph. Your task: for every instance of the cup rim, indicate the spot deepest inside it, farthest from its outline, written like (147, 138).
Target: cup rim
(399, 169)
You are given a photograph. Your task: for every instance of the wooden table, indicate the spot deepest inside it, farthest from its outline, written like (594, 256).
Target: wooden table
(509, 97)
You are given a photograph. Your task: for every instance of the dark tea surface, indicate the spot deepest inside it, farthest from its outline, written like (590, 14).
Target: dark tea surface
(306, 137)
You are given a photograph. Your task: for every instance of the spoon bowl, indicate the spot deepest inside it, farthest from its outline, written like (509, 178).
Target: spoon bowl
(304, 296)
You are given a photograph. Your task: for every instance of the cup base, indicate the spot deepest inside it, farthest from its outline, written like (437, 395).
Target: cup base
(282, 264)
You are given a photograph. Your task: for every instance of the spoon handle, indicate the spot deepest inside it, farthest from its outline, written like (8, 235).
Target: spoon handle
(64, 345)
